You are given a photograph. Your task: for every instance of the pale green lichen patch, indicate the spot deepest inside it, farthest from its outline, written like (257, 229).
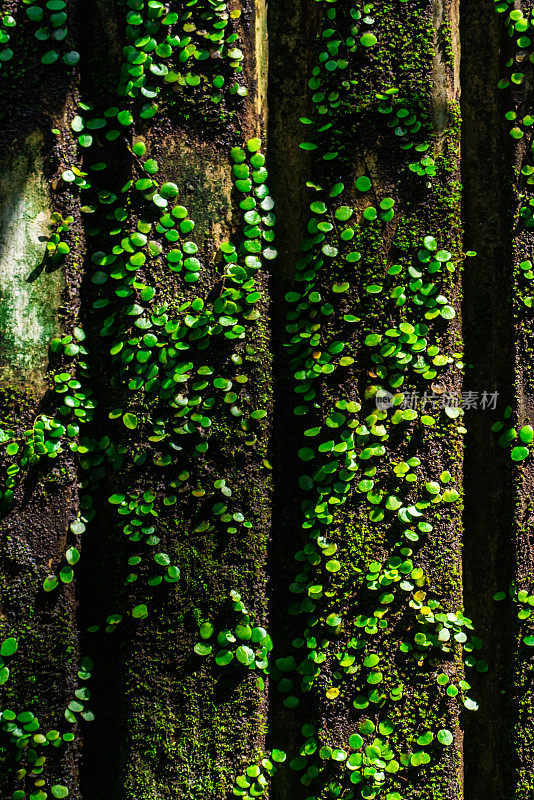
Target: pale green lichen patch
(29, 292)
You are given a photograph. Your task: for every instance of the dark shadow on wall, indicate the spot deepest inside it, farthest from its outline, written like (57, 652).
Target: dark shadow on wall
(101, 574)
(488, 551)
(293, 27)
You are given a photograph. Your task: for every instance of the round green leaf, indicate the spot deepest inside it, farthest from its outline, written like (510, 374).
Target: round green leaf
(368, 40)
(130, 421)
(445, 737)
(519, 453)
(59, 790)
(9, 646)
(363, 183)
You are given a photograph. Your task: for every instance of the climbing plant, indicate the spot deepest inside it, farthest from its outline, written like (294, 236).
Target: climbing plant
(159, 400)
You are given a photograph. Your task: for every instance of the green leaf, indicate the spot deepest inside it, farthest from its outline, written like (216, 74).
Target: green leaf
(363, 183)
(245, 655)
(370, 213)
(356, 741)
(50, 57)
(386, 727)
(223, 657)
(50, 583)
(151, 166)
(169, 190)
(58, 790)
(237, 154)
(470, 704)
(125, 118)
(373, 339)
(66, 575)
(447, 312)
(72, 555)
(425, 738)
(445, 737)
(206, 630)
(371, 660)
(519, 453)
(526, 434)
(333, 565)
(117, 499)
(366, 727)
(368, 40)
(418, 759)
(336, 189)
(203, 649)
(71, 58)
(333, 620)
(9, 646)
(130, 421)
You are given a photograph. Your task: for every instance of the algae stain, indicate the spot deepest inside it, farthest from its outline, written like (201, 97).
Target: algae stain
(29, 295)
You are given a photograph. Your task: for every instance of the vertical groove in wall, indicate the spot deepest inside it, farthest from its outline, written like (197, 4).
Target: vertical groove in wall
(104, 754)
(292, 29)
(488, 334)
